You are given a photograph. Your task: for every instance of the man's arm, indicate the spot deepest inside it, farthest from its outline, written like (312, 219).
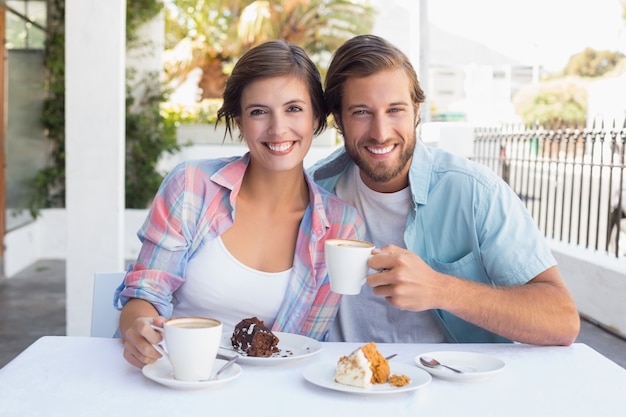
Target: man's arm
(540, 312)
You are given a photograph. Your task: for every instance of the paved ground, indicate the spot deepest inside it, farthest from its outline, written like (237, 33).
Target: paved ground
(32, 304)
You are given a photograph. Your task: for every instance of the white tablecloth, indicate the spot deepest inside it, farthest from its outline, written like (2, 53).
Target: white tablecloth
(81, 376)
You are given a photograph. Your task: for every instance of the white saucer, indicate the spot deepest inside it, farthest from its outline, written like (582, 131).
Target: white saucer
(323, 375)
(161, 372)
(474, 365)
(292, 347)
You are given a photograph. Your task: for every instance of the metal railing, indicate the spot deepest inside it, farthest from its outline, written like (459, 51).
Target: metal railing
(570, 179)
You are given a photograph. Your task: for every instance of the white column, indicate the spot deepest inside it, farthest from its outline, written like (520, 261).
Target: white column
(95, 128)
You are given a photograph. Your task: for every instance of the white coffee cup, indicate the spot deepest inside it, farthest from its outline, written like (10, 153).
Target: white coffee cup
(191, 346)
(346, 262)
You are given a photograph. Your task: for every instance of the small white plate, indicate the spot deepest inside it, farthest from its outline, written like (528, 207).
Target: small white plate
(323, 375)
(161, 372)
(292, 347)
(473, 365)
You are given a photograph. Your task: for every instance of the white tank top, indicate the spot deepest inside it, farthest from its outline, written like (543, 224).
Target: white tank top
(221, 287)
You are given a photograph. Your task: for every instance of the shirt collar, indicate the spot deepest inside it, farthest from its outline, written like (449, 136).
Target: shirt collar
(420, 173)
(231, 174)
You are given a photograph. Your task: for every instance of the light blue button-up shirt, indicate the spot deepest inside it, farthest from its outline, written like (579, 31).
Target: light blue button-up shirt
(465, 222)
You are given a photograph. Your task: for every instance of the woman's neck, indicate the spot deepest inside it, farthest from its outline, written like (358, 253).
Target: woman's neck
(281, 189)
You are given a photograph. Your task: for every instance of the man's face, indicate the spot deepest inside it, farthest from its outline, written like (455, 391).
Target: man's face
(378, 120)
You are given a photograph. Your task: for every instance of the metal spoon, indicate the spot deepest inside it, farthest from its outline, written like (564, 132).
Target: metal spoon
(433, 363)
(223, 368)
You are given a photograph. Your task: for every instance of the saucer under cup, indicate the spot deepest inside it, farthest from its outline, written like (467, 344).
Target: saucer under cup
(191, 346)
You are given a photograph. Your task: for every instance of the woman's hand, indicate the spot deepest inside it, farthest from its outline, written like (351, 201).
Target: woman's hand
(138, 341)
(135, 327)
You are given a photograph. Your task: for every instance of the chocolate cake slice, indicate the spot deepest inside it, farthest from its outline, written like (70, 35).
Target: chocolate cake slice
(253, 338)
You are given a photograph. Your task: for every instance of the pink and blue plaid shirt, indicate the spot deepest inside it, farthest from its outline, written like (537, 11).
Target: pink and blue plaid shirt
(196, 202)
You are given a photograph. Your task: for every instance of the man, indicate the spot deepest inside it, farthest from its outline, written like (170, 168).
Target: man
(461, 260)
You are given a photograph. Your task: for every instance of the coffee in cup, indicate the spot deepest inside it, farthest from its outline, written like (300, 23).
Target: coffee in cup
(346, 262)
(191, 346)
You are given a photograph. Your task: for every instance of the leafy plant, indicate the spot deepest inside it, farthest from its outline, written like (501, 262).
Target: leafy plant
(558, 100)
(148, 135)
(49, 183)
(592, 63)
(563, 100)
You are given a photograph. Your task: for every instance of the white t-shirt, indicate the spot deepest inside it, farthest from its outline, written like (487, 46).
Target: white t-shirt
(366, 317)
(221, 287)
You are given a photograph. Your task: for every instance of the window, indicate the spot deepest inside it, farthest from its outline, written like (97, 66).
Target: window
(25, 24)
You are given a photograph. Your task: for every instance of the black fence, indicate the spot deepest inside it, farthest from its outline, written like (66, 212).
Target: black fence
(571, 179)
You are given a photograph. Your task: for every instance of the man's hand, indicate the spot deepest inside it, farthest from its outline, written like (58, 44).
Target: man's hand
(404, 279)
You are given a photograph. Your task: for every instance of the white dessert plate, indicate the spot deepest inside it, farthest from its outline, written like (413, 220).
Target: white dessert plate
(292, 347)
(323, 375)
(473, 365)
(161, 372)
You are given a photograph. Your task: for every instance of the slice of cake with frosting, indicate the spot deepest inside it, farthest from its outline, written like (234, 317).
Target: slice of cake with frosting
(363, 367)
(252, 338)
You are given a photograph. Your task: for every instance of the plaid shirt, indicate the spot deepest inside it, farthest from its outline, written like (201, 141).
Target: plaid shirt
(196, 201)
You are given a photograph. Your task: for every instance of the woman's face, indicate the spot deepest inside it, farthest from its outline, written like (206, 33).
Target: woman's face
(277, 122)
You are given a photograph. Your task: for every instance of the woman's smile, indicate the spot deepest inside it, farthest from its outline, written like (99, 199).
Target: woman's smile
(280, 147)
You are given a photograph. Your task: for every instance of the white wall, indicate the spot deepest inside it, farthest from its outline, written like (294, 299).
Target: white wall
(47, 238)
(21, 248)
(603, 104)
(597, 282)
(454, 137)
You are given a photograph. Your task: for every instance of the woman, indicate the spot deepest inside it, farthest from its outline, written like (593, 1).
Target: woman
(243, 236)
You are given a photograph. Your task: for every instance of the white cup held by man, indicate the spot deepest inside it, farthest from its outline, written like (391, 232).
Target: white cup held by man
(346, 261)
(192, 344)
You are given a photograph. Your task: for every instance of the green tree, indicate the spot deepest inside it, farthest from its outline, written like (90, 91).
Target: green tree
(212, 34)
(592, 63)
(554, 101)
(564, 98)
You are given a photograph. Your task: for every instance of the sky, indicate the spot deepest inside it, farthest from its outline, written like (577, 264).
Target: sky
(543, 32)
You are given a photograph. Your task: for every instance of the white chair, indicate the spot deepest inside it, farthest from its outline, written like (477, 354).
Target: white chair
(104, 316)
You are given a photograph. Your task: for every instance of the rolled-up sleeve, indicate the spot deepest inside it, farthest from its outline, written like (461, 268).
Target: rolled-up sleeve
(166, 236)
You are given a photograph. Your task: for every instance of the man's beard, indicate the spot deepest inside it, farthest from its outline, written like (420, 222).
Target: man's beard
(378, 172)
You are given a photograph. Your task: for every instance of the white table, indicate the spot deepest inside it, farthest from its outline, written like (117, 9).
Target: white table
(81, 376)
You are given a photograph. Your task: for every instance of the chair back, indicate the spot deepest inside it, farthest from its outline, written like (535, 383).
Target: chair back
(104, 316)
